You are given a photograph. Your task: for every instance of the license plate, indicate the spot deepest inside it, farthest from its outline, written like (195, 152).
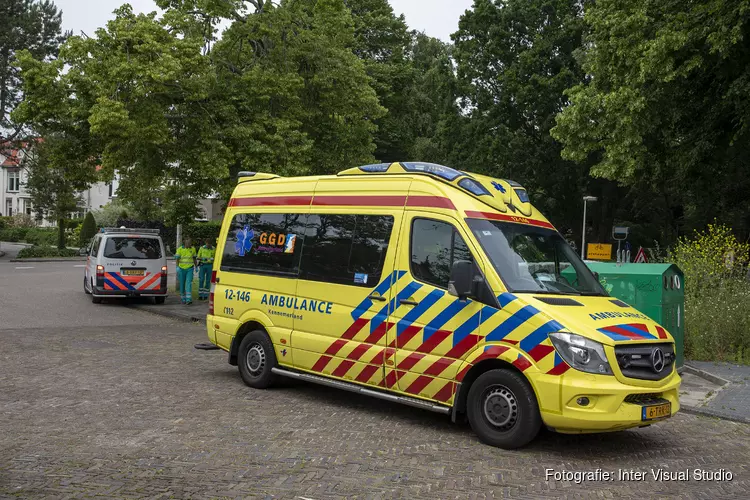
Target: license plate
(657, 411)
(132, 272)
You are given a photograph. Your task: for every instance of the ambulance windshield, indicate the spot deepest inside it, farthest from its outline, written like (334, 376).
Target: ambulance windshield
(534, 259)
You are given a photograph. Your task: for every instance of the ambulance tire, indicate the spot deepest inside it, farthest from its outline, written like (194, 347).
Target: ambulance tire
(255, 359)
(503, 410)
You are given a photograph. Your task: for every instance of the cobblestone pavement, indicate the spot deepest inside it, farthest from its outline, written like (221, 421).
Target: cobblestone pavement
(134, 411)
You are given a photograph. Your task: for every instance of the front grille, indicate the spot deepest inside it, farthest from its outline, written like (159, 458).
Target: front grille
(643, 398)
(637, 361)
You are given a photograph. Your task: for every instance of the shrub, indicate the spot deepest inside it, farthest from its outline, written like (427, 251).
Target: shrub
(13, 234)
(716, 295)
(88, 229)
(41, 236)
(199, 232)
(5, 222)
(22, 221)
(45, 252)
(107, 215)
(73, 237)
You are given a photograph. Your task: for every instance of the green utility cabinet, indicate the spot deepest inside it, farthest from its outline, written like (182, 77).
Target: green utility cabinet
(656, 290)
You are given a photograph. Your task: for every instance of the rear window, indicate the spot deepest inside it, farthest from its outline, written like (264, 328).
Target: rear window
(126, 247)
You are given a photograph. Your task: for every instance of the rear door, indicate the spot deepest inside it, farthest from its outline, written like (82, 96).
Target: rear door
(132, 263)
(92, 261)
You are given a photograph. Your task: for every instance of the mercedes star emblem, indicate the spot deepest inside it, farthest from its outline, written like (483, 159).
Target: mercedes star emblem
(657, 359)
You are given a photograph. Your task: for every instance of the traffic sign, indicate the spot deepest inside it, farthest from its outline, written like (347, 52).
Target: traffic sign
(640, 257)
(599, 251)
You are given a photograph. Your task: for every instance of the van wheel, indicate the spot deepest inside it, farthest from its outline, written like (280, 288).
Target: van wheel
(96, 300)
(503, 410)
(159, 300)
(85, 288)
(255, 359)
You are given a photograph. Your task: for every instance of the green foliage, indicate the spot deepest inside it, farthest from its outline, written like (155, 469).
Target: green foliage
(665, 105)
(4, 222)
(717, 292)
(30, 25)
(514, 60)
(21, 220)
(13, 234)
(87, 229)
(107, 215)
(41, 236)
(45, 252)
(199, 232)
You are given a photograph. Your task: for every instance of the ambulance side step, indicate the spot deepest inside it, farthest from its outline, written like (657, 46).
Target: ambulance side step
(338, 384)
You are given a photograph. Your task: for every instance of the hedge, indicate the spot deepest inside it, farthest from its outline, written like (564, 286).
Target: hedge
(13, 234)
(45, 252)
(5, 222)
(42, 237)
(199, 232)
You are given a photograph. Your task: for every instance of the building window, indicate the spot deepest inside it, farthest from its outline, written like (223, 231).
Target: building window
(111, 189)
(26, 206)
(14, 181)
(8, 207)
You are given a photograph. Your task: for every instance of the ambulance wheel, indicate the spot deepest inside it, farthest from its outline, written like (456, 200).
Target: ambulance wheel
(255, 358)
(503, 410)
(85, 288)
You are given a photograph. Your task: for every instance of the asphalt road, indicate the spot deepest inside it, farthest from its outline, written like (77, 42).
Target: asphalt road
(103, 400)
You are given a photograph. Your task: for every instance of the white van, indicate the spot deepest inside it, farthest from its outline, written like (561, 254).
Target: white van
(126, 263)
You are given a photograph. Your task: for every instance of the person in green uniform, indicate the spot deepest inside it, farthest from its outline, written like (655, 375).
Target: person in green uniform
(205, 266)
(186, 257)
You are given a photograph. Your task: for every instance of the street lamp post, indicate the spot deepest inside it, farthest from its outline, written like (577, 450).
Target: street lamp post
(586, 199)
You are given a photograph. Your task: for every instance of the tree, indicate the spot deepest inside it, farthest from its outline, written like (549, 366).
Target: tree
(514, 60)
(88, 229)
(30, 25)
(664, 106)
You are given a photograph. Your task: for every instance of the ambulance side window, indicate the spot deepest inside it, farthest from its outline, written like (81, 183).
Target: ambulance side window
(346, 249)
(435, 246)
(264, 244)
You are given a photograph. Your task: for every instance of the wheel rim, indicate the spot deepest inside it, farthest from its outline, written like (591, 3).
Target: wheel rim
(255, 360)
(500, 407)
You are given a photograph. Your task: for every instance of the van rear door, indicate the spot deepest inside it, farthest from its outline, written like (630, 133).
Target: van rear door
(132, 263)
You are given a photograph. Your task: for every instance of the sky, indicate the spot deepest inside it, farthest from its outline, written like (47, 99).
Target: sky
(437, 18)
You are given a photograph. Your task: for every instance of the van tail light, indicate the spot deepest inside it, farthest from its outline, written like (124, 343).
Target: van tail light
(211, 294)
(163, 270)
(163, 283)
(100, 276)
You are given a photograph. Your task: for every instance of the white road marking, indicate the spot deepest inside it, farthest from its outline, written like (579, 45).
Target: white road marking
(29, 267)
(80, 265)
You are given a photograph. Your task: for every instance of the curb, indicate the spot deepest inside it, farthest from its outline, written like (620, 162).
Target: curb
(705, 412)
(59, 259)
(706, 375)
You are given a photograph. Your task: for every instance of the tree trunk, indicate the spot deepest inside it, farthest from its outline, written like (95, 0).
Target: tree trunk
(61, 233)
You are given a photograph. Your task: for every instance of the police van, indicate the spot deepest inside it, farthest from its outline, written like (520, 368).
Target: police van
(125, 263)
(440, 289)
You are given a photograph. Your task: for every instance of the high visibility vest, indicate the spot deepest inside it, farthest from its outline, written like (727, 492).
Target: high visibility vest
(206, 255)
(186, 256)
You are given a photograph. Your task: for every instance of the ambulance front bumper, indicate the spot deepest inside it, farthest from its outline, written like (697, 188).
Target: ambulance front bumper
(609, 405)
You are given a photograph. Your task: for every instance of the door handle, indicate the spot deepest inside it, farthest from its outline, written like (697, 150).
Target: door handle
(408, 302)
(379, 298)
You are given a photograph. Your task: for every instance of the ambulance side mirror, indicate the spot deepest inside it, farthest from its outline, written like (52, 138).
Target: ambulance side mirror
(462, 284)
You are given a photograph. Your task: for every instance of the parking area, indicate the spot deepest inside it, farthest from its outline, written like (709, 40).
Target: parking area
(115, 402)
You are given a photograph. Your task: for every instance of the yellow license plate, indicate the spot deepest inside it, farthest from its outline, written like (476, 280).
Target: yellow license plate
(657, 411)
(132, 272)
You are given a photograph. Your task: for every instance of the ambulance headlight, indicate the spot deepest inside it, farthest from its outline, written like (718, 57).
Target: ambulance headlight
(581, 353)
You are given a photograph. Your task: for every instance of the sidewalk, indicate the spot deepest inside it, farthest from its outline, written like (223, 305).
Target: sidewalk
(728, 394)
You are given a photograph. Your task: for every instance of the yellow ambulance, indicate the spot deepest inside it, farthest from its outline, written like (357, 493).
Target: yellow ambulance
(440, 289)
